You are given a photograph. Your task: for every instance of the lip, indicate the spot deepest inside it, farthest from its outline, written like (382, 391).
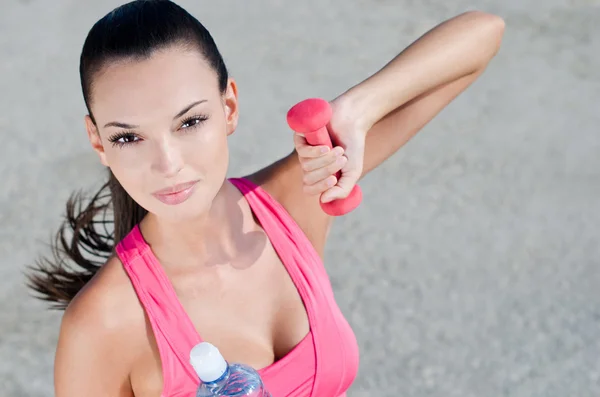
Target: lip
(176, 194)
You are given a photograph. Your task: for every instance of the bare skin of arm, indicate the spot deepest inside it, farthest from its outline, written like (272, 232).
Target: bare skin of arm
(99, 338)
(394, 104)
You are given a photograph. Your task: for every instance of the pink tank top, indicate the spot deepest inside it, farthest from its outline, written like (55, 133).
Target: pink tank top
(323, 364)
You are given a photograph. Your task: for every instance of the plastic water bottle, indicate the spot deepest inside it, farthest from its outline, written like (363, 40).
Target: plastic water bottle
(221, 379)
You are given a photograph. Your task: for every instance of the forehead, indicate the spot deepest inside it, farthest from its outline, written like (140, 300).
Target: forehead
(160, 85)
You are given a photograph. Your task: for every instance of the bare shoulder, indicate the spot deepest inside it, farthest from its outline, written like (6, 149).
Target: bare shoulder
(108, 302)
(100, 336)
(283, 180)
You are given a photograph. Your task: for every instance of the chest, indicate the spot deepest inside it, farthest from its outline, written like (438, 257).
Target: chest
(253, 309)
(249, 307)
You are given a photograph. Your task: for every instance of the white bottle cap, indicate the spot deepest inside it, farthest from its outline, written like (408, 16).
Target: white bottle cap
(208, 362)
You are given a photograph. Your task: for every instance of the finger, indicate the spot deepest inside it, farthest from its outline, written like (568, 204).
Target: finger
(343, 188)
(311, 164)
(321, 186)
(305, 150)
(319, 174)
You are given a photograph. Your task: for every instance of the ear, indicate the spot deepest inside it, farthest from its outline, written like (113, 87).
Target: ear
(231, 106)
(95, 140)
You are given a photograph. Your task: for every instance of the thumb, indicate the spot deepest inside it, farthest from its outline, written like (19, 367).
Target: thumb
(345, 184)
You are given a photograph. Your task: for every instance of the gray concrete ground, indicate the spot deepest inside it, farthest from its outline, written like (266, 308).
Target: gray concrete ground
(471, 269)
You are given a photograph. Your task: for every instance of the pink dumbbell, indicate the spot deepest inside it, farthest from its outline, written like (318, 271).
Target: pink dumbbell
(310, 118)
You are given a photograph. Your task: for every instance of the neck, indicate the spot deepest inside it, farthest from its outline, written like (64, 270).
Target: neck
(209, 238)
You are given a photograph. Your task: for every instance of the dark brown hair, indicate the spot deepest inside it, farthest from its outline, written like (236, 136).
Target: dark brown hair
(90, 231)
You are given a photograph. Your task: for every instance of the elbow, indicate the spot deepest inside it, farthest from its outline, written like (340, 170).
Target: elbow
(486, 19)
(491, 28)
(496, 26)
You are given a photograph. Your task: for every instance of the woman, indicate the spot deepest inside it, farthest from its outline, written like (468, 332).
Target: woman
(196, 256)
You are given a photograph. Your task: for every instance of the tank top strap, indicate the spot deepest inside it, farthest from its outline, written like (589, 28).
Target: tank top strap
(173, 330)
(282, 229)
(304, 266)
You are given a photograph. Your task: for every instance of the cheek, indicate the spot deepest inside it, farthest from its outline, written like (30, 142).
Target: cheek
(132, 183)
(207, 149)
(129, 164)
(131, 178)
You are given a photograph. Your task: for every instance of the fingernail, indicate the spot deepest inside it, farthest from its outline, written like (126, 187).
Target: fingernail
(324, 149)
(339, 150)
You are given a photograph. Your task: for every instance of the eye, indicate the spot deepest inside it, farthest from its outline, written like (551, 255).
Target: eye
(193, 121)
(123, 138)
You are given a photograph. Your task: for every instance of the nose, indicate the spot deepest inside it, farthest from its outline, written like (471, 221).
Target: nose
(168, 159)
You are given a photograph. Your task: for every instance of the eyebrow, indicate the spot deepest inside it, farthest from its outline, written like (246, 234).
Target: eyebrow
(130, 126)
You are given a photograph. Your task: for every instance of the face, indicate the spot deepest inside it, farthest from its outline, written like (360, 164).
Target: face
(162, 126)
